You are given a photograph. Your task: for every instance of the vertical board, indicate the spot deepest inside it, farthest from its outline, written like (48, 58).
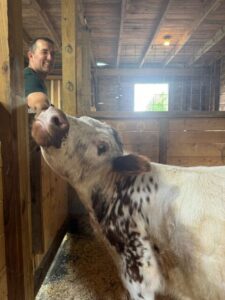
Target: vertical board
(69, 67)
(3, 275)
(222, 85)
(85, 101)
(54, 87)
(54, 205)
(14, 138)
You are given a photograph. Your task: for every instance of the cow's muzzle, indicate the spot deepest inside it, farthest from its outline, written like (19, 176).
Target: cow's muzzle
(50, 127)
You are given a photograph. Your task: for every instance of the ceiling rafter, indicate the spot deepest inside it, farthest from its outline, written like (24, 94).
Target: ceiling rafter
(158, 25)
(122, 17)
(220, 34)
(187, 35)
(46, 21)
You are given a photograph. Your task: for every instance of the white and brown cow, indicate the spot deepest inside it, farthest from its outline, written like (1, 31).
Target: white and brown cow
(166, 224)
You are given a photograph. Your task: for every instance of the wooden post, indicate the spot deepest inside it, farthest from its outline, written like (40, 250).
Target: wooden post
(14, 140)
(85, 102)
(69, 67)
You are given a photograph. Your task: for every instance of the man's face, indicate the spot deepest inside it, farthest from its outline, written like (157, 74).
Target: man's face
(41, 59)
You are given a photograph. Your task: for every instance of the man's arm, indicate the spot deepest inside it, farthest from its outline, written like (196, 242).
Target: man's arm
(37, 101)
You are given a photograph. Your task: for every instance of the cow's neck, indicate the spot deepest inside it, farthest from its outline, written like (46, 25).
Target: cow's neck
(105, 195)
(99, 186)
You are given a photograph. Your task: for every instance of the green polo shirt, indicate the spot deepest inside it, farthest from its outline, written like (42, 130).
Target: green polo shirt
(32, 82)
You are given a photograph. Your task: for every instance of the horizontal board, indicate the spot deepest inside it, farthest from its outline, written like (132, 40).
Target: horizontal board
(143, 149)
(195, 149)
(195, 161)
(135, 137)
(197, 124)
(197, 137)
(132, 125)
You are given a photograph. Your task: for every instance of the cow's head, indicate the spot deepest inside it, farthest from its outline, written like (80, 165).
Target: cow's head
(77, 148)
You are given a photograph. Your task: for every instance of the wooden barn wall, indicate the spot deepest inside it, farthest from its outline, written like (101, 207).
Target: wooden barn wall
(195, 92)
(185, 141)
(49, 194)
(54, 87)
(222, 84)
(3, 275)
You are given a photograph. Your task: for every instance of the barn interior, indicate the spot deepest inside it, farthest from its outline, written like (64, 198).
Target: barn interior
(106, 51)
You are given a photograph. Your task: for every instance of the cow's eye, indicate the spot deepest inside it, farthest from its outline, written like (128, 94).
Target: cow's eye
(102, 148)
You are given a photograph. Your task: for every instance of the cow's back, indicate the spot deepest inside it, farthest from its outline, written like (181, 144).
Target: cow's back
(188, 219)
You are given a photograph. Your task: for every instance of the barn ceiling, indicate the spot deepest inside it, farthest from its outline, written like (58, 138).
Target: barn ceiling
(131, 33)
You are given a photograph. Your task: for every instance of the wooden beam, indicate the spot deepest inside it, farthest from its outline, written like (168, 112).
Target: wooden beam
(220, 34)
(122, 17)
(69, 56)
(14, 141)
(44, 18)
(84, 102)
(84, 24)
(187, 35)
(151, 72)
(158, 25)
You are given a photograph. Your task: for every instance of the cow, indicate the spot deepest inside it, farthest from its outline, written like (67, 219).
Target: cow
(164, 225)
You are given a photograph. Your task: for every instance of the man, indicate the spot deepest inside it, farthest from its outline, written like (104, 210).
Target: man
(41, 60)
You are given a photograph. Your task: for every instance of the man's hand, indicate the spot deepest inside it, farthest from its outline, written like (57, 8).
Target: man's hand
(38, 101)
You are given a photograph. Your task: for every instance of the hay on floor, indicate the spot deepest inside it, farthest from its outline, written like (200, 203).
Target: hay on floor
(82, 270)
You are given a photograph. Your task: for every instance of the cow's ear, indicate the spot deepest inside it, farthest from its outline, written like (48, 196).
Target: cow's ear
(131, 164)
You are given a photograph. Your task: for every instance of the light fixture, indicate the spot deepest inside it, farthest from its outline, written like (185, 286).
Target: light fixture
(101, 64)
(166, 40)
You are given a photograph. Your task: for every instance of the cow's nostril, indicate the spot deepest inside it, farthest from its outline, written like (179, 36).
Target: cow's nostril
(56, 121)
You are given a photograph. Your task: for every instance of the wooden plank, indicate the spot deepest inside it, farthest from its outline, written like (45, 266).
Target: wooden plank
(143, 137)
(197, 124)
(161, 18)
(189, 161)
(122, 17)
(218, 36)
(195, 149)
(1, 196)
(2, 254)
(138, 125)
(197, 136)
(84, 24)
(149, 150)
(3, 274)
(187, 35)
(14, 138)
(84, 100)
(54, 208)
(36, 198)
(43, 16)
(69, 68)
(163, 141)
(3, 285)
(193, 72)
(41, 272)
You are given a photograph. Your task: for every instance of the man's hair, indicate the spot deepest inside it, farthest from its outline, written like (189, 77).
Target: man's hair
(33, 45)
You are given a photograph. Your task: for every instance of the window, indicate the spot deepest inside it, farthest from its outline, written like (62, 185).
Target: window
(151, 97)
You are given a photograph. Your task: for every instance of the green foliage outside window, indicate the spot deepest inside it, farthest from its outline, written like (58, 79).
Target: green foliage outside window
(158, 103)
